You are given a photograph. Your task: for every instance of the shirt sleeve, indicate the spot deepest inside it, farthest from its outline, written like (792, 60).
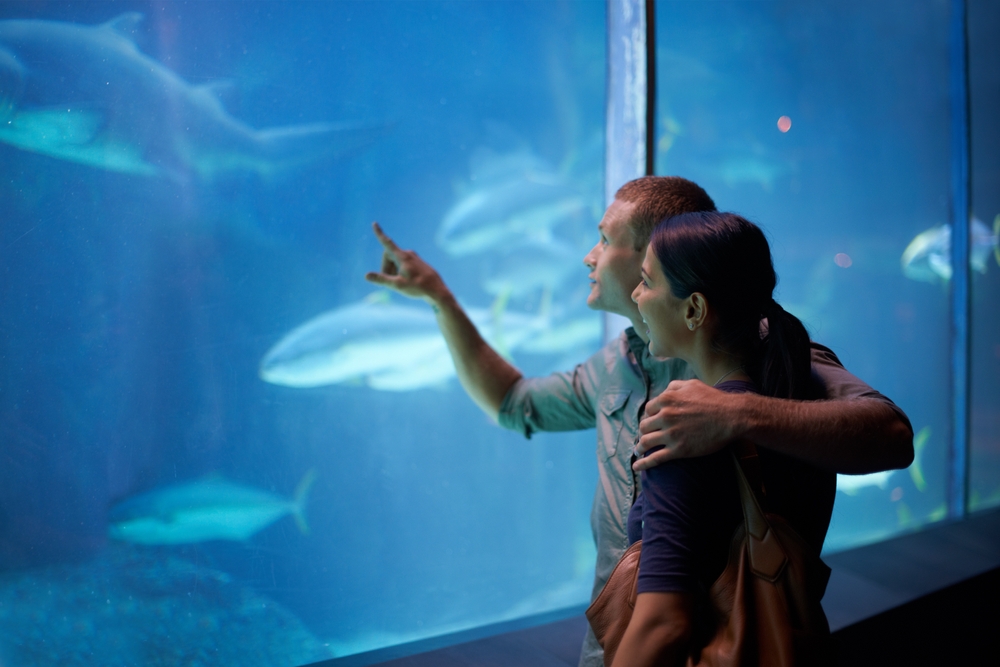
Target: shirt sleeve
(690, 509)
(834, 382)
(559, 402)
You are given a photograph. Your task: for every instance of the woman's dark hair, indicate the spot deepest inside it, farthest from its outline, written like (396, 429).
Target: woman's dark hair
(727, 258)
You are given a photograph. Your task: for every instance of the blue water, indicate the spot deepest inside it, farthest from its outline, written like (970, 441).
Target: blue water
(861, 171)
(136, 309)
(141, 293)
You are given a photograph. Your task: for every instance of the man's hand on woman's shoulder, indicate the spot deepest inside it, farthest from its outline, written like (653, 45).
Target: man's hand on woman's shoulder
(688, 419)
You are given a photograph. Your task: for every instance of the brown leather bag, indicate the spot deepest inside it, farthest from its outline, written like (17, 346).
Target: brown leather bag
(765, 606)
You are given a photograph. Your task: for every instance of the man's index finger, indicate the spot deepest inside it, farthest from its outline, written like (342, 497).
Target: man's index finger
(387, 243)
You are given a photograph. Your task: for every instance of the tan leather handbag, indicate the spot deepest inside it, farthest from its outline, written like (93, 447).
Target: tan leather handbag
(765, 605)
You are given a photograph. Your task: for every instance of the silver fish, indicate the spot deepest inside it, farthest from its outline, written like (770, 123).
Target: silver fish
(86, 94)
(386, 346)
(200, 511)
(928, 256)
(513, 198)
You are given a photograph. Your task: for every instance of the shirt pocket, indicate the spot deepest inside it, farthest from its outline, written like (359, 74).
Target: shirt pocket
(612, 410)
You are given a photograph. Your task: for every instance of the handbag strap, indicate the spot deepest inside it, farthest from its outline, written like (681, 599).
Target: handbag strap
(767, 557)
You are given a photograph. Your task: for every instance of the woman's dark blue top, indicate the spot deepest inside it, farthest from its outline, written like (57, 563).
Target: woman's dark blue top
(688, 510)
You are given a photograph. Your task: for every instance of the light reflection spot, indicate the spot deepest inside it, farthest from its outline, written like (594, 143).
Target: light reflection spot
(843, 260)
(784, 123)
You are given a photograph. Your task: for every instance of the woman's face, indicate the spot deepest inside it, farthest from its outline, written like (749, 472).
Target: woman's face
(662, 312)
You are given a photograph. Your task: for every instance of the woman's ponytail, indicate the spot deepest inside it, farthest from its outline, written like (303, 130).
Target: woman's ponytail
(785, 360)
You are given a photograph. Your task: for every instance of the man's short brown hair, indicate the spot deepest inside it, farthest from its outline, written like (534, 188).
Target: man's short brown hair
(659, 197)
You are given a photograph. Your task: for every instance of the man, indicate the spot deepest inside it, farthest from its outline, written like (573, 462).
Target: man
(857, 431)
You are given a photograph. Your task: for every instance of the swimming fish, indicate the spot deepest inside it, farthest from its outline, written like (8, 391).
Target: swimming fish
(565, 336)
(527, 268)
(751, 169)
(204, 510)
(916, 468)
(928, 256)
(513, 198)
(384, 345)
(86, 94)
(851, 484)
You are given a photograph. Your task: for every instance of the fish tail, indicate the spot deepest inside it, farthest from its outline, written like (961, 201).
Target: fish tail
(996, 239)
(916, 471)
(497, 310)
(301, 491)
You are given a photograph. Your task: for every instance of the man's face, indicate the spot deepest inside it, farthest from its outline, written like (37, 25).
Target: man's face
(614, 263)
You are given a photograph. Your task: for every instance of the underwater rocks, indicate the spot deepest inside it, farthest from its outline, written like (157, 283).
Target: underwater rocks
(135, 608)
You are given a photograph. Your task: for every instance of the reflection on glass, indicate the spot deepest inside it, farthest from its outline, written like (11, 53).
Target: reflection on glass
(831, 132)
(212, 426)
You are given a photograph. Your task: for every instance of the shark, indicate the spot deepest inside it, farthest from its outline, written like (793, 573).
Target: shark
(531, 266)
(203, 510)
(383, 345)
(511, 198)
(86, 94)
(375, 342)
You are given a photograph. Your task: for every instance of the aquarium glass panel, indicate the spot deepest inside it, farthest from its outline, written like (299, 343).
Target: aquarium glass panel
(221, 445)
(827, 123)
(984, 371)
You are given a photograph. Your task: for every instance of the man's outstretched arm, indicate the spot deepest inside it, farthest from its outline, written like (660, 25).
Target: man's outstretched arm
(845, 435)
(484, 374)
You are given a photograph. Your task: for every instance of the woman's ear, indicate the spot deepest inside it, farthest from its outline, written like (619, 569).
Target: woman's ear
(697, 310)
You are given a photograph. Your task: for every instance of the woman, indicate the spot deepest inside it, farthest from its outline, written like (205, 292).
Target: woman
(706, 298)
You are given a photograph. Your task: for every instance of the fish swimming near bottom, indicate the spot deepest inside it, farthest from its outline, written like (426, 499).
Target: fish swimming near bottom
(204, 510)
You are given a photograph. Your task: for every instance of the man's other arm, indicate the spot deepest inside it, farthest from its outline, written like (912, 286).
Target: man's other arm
(855, 431)
(484, 374)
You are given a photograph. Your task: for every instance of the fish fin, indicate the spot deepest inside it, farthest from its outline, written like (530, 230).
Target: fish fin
(996, 239)
(224, 90)
(125, 24)
(545, 306)
(497, 310)
(379, 296)
(301, 491)
(916, 471)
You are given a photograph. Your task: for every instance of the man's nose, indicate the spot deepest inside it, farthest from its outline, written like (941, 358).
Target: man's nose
(590, 259)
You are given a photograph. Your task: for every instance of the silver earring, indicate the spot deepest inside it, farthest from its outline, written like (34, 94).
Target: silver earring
(691, 326)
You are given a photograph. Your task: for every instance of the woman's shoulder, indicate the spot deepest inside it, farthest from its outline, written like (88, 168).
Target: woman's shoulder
(738, 387)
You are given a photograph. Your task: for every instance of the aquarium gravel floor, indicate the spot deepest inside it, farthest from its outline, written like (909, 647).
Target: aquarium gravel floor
(130, 608)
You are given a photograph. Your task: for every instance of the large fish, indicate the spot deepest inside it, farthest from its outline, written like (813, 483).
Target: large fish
(209, 509)
(375, 342)
(513, 198)
(928, 256)
(381, 344)
(852, 484)
(86, 94)
(527, 268)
